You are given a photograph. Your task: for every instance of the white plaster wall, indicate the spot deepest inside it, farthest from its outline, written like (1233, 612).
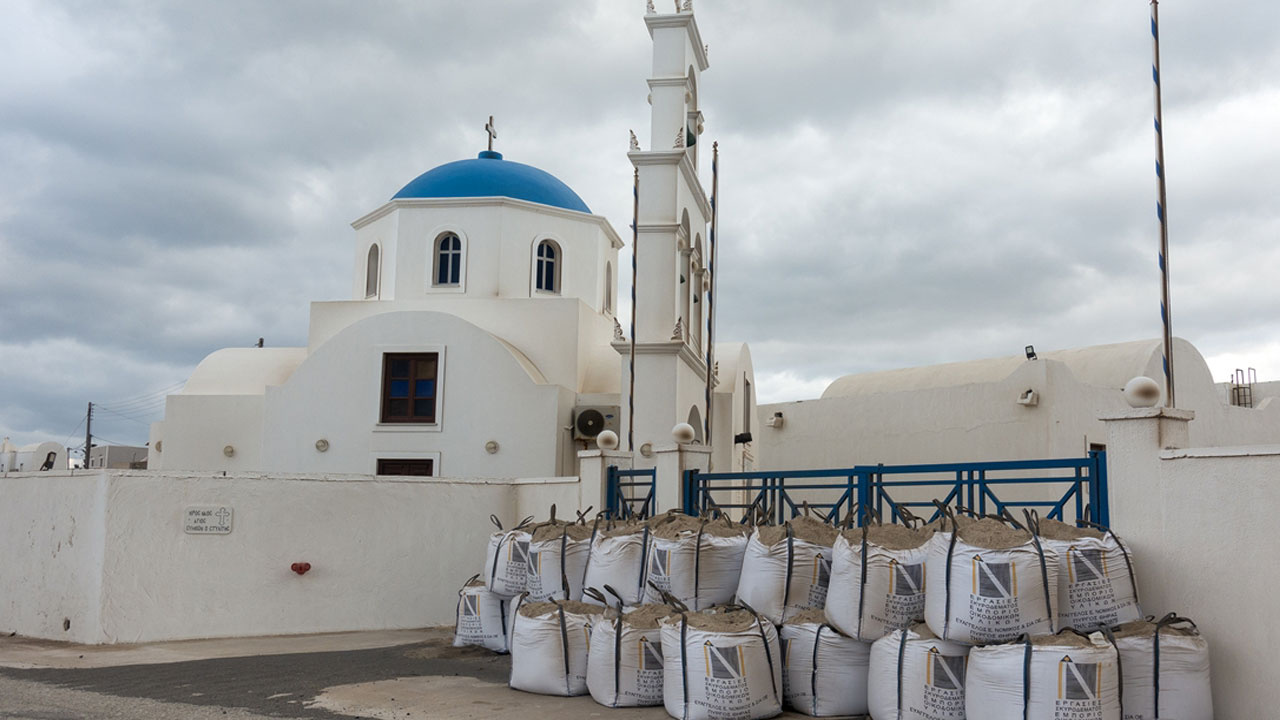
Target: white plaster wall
(51, 553)
(1201, 524)
(197, 429)
(385, 552)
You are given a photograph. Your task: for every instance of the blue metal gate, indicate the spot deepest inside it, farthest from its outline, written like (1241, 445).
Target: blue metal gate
(1066, 489)
(623, 500)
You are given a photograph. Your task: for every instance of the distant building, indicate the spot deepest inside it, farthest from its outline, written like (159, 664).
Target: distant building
(1009, 408)
(118, 457)
(36, 457)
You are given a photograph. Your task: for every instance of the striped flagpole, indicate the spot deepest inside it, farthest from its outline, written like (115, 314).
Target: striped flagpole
(635, 241)
(711, 294)
(1162, 210)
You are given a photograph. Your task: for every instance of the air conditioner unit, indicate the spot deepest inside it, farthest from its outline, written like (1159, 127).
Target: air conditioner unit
(588, 422)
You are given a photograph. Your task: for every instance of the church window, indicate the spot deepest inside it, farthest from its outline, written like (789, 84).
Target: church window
(409, 387)
(547, 275)
(448, 260)
(371, 273)
(410, 466)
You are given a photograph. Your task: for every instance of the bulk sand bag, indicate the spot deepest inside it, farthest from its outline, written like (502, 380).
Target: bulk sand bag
(1096, 583)
(481, 617)
(697, 561)
(990, 583)
(617, 560)
(558, 553)
(1166, 670)
(824, 671)
(625, 665)
(549, 646)
(1047, 677)
(506, 562)
(877, 580)
(724, 665)
(917, 676)
(786, 568)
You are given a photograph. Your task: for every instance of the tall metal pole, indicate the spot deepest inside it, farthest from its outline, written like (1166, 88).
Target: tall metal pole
(711, 297)
(88, 435)
(1162, 210)
(635, 239)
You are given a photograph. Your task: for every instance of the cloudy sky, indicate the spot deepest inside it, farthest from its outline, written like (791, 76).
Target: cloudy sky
(905, 182)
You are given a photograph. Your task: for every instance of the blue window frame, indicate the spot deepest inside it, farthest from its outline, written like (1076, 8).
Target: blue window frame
(448, 260)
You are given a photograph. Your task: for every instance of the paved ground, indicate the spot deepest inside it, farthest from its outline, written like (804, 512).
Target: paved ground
(404, 675)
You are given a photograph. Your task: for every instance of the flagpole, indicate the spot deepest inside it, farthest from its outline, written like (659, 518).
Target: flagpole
(1162, 210)
(711, 298)
(635, 239)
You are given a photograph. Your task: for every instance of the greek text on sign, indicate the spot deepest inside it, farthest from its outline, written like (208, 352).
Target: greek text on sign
(207, 519)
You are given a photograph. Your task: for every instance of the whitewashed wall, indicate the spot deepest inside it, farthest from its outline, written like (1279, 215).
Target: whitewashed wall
(107, 551)
(1202, 526)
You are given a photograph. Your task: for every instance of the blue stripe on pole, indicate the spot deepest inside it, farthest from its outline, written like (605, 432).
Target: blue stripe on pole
(1166, 365)
(1159, 212)
(1157, 126)
(1155, 29)
(1160, 259)
(1159, 170)
(1155, 74)
(1164, 314)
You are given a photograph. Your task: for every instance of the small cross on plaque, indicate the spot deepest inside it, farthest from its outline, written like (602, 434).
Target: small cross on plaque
(491, 131)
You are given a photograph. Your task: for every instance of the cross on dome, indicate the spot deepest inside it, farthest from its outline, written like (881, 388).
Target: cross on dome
(492, 131)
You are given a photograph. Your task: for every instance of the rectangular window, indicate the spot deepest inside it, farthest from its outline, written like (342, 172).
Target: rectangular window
(419, 467)
(409, 387)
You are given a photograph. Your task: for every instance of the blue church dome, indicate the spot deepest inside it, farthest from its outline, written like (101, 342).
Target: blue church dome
(491, 176)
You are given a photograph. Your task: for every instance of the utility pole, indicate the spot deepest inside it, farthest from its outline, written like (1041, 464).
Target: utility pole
(88, 435)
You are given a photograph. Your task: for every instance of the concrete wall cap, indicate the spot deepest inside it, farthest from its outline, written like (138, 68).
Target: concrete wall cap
(1155, 412)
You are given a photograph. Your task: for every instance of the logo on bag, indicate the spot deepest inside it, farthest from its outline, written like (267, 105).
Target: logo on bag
(650, 655)
(1088, 565)
(1078, 681)
(535, 562)
(906, 579)
(994, 580)
(518, 552)
(659, 561)
(821, 571)
(470, 604)
(723, 663)
(945, 672)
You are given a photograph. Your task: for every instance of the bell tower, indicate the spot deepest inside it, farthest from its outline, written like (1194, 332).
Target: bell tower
(670, 249)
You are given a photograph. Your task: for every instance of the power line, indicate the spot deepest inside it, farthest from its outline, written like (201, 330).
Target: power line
(130, 418)
(146, 396)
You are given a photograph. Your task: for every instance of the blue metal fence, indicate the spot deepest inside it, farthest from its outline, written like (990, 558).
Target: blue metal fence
(1063, 489)
(622, 499)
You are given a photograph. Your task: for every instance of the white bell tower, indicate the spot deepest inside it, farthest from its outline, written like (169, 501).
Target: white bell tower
(671, 245)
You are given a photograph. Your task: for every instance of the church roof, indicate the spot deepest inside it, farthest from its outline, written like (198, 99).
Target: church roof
(490, 176)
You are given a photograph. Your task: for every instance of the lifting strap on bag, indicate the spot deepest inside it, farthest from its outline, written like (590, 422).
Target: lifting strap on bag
(768, 656)
(564, 576)
(1026, 677)
(791, 557)
(951, 549)
(862, 584)
(1124, 552)
(617, 659)
(644, 564)
(1166, 621)
(813, 671)
(1111, 638)
(902, 653)
(684, 664)
(564, 644)
(1034, 523)
(697, 564)
(591, 543)
(515, 618)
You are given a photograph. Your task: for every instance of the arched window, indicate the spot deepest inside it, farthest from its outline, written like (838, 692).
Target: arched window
(547, 274)
(371, 273)
(448, 260)
(608, 287)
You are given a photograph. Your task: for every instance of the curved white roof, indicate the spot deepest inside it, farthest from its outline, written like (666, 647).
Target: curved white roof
(1100, 365)
(243, 371)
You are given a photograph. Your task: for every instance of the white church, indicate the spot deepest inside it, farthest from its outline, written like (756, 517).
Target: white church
(482, 337)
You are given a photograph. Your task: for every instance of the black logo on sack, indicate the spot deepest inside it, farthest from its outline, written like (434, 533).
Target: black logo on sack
(518, 552)
(994, 580)
(659, 561)
(470, 604)
(946, 672)
(822, 571)
(723, 663)
(907, 579)
(535, 563)
(1087, 565)
(650, 655)
(1078, 681)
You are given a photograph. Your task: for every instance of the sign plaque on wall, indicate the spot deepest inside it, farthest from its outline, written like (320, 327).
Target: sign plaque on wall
(207, 519)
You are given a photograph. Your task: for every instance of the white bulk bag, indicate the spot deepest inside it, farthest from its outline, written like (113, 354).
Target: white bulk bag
(506, 561)
(618, 561)
(481, 617)
(625, 665)
(734, 673)
(699, 568)
(1179, 686)
(877, 581)
(917, 676)
(549, 646)
(1096, 583)
(824, 672)
(976, 594)
(557, 553)
(1044, 678)
(783, 578)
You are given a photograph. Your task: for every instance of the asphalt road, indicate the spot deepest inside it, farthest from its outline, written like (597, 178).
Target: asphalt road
(245, 688)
